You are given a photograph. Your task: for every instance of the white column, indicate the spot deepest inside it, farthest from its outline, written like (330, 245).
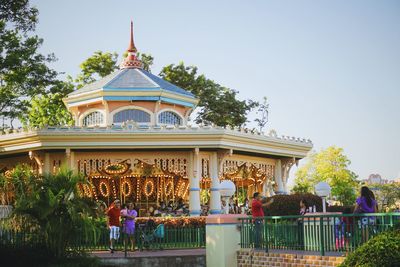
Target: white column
(72, 162)
(215, 201)
(35, 156)
(107, 119)
(70, 159)
(46, 167)
(278, 177)
(194, 173)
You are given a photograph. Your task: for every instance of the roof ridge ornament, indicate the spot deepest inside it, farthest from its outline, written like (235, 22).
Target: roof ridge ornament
(131, 61)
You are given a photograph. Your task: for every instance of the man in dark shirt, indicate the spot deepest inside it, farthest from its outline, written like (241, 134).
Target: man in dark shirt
(258, 213)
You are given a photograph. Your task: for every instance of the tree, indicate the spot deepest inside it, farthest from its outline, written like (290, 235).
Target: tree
(387, 195)
(147, 61)
(23, 71)
(329, 165)
(49, 109)
(263, 111)
(218, 104)
(96, 66)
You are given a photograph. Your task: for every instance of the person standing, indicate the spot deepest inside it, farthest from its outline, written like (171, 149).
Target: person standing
(129, 225)
(258, 215)
(300, 223)
(366, 204)
(113, 217)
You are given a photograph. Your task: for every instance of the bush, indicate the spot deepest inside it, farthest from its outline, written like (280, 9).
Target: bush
(290, 204)
(383, 250)
(50, 207)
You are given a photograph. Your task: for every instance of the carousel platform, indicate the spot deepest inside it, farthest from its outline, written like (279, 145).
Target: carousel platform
(154, 258)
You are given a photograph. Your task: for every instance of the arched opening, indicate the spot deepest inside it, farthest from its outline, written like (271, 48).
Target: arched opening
(169, 117)
(135, 115)
(92, 119)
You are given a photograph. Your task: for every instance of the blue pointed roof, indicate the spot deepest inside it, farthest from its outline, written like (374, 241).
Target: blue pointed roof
(131, 83)
(132, 79)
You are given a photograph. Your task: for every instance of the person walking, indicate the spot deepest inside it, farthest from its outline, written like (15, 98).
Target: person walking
(113, 217)
(258, 215)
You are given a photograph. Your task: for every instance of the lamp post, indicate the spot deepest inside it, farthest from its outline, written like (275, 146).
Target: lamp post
(227, 188)
(323, 190)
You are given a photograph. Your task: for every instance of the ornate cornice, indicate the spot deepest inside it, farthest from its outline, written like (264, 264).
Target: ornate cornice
(143, 136)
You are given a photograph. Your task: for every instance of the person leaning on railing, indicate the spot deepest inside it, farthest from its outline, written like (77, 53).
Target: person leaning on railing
(366, 204)
(258, 214)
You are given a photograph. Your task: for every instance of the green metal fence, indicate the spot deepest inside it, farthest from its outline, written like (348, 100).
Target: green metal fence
(323, 233)
(173, 238)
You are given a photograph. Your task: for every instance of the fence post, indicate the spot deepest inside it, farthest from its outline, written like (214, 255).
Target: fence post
(322, 239)
(265, 234)
(391, 220)
(125, 244)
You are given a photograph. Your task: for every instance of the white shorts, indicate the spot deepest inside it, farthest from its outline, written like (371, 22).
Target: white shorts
(114, 232)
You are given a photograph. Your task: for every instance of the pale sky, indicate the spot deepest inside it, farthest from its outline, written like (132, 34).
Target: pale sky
(330, 69)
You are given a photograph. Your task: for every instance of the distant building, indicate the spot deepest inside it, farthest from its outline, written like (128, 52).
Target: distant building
(374, 179)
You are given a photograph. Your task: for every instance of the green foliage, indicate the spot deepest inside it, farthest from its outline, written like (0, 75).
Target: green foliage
(52, 203)
(383, 250)
(290, 204)
(19, 14)
(147, 60)
(387, 195)
(219, 105)
(49, 110)
(329, 165)
(23, 71)
(96, 66)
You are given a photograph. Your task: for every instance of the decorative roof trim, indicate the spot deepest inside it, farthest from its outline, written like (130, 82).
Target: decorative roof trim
(145, 136)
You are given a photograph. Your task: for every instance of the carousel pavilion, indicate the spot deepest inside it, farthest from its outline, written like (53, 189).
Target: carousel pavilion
(132, 140)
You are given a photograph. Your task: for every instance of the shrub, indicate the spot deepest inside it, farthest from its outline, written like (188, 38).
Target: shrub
(290, 204)
(383, 250)
(51, 206)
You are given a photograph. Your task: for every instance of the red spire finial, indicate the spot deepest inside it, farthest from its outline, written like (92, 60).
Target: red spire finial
(132, 47)
(131, 61)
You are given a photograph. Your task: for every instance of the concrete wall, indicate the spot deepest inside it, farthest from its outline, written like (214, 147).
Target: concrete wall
(250, 258)
(165, 261)
(222, 239)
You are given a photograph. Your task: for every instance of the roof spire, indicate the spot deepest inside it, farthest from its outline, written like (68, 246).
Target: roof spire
(132, 47)
(131, 61)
